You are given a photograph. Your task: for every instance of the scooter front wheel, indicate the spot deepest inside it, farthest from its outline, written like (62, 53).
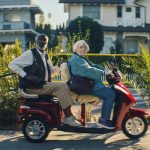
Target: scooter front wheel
(135, 127)
(35, 129)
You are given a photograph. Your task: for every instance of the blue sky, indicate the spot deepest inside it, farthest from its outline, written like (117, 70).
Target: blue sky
(55, 9)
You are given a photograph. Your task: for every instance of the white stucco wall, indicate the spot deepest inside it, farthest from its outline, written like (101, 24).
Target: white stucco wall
(130, 2)
(108, 15)
(146, 3)
(1, 16)
(24, 15)
(75, 11)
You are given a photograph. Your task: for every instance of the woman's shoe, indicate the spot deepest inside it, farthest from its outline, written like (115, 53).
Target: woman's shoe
(106, 124)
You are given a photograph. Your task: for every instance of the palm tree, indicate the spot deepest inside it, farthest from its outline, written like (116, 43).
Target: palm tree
(139, 67)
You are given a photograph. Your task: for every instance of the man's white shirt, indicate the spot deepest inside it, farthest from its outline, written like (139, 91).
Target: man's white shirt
(26, 59)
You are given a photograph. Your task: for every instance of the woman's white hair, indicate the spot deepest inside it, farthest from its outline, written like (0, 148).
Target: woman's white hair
(80, 43)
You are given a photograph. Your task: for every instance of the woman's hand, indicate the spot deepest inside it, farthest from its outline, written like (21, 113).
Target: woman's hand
(108, 71)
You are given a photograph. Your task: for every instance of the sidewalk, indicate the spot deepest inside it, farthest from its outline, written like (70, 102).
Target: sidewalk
(58, 140)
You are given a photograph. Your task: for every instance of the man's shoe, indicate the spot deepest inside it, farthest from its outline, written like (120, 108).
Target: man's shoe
(106, 124)
(71, 121)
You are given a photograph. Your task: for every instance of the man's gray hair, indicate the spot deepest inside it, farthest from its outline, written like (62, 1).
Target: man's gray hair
(80, 43)
(41, 35)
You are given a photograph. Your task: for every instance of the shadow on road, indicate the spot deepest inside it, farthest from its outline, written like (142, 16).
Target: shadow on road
(75, 142)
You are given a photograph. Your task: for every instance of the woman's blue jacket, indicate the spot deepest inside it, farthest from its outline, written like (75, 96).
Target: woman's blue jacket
(85, 68)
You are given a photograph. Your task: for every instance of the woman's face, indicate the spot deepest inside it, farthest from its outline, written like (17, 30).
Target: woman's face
(81, 50)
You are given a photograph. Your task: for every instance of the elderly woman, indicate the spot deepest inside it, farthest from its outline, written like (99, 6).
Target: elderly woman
(80, 66)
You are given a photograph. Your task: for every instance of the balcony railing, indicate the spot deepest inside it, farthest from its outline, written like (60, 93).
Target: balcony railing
(133, 22)
(17, 25)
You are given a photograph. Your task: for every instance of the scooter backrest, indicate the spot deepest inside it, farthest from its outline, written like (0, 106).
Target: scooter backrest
(65, 73)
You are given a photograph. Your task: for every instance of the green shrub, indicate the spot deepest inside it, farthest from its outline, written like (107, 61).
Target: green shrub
(8, 117)
(8, 85)
(84, 28)
(140, 67)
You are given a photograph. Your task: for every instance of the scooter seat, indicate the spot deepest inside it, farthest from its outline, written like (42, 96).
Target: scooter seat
(85, 98)
(42, 98)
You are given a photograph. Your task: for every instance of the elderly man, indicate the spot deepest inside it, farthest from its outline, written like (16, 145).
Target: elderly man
(35, 69)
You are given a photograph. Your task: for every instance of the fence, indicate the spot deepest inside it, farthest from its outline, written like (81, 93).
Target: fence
(101, 59)
(127, 77)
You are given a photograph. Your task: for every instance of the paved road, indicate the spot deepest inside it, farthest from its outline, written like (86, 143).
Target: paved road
(141, 103)
(58, 140)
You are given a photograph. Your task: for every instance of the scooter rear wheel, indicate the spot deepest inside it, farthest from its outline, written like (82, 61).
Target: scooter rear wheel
(35, 129)
(135, 127)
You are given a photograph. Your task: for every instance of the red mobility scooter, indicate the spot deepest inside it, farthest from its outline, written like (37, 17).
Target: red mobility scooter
(40, 114)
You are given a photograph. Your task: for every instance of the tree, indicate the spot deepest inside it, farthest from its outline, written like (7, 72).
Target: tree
(41, 19)
(47, 30)
(139, 66)
(9, 85)
(85, 27)
(116, 48)
(39, 28)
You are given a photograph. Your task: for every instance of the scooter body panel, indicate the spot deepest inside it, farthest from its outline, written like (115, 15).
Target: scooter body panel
(50, 111)
(133, 112)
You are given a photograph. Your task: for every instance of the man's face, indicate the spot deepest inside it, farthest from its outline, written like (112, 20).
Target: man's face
(41, 42)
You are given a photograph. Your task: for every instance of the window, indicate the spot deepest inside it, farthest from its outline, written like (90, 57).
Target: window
(7, 27)
(119, 11)
(8, 17)
(108, 43)
(128, 9)
(132, 46)
(91, 11)
(138, 12)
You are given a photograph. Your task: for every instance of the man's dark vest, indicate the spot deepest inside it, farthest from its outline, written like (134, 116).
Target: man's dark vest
(36, 69)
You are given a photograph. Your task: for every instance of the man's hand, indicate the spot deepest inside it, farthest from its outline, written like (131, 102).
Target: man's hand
(59, 62)
(34, 79)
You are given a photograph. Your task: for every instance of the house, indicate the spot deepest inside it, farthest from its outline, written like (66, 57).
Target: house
(124, 21)
(17, 21)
